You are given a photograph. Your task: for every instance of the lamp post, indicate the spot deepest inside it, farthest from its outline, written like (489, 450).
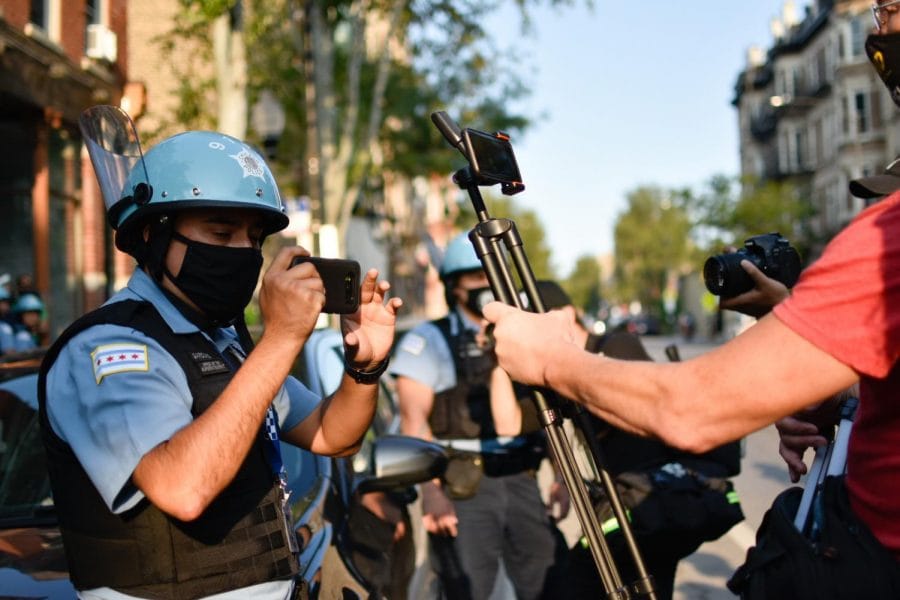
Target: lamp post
(267, 119)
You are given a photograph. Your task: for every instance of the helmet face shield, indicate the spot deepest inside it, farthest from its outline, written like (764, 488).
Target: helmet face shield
(115, 150)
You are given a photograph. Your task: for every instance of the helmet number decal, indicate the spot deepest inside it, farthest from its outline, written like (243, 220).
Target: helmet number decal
(217, 145)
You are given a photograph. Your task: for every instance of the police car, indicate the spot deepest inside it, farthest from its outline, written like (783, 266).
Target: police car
(325, 492)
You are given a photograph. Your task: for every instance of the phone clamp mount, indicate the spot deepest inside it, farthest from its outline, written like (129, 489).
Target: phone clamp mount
(491, 161)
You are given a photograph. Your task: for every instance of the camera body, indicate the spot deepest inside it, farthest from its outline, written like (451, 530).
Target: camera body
(771, 253)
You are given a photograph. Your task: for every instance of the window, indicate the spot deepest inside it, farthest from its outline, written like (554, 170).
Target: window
(39, 13)
(92, 14)
(860, 27)
(845, 116)
(43, 19)
(861, 107)
(820, 71)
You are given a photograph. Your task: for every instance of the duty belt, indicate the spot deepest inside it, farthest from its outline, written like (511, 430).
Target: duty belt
(500, 456)
(497, 445)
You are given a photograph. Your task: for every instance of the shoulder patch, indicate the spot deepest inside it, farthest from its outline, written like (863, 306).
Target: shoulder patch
(413, 343)
(109, 359)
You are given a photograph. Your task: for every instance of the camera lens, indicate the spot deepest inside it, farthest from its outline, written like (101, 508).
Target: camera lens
(724, 275)
(714, 274)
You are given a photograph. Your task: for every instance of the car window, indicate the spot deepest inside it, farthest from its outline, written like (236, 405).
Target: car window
(24, 483)
(322, 366)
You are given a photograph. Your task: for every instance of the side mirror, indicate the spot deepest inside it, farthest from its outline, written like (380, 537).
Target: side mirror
(399, 461)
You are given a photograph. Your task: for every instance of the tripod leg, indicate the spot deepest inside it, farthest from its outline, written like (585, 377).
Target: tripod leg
(562, 453)
(644, 585)
(485, 238)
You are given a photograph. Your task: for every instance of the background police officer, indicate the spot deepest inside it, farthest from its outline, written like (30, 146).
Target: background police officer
(488, 505)
(158, 417)
(28, 310)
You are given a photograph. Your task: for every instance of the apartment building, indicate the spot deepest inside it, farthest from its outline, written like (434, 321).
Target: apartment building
(812, 110)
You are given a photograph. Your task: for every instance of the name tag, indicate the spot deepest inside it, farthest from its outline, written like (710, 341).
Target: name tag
(209, 364)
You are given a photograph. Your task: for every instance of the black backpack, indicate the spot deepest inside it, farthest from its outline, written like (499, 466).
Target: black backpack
(844, 562)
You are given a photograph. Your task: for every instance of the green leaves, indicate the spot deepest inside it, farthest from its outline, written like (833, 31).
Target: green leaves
(652, 240)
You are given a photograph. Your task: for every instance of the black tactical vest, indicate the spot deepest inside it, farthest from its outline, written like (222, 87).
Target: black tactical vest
(240, 540)
(464, 411)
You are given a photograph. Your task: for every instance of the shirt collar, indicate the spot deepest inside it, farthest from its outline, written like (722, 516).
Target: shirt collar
(145, 288)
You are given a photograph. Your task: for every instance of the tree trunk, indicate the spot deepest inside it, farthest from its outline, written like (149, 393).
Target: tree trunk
(231, 72)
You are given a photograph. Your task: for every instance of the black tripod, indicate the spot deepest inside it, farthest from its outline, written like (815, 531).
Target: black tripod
(491, 161)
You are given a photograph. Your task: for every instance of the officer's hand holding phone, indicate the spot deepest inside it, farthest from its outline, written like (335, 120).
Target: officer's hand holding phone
(341, 279)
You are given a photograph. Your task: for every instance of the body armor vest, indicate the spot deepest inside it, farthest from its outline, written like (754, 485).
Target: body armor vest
(464, 411)
(240, 540)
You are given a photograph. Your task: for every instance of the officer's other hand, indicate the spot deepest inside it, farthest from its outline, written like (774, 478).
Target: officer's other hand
(291, 298)
(762, 298)
(438, 514)
(525, 342)
(369, 332)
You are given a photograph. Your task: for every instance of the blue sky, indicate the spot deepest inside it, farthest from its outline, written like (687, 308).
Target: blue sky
(626, 94)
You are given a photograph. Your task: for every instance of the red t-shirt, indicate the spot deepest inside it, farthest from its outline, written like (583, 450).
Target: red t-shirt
(847, 303)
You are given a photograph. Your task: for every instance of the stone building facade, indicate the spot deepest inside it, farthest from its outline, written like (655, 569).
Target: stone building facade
(812, 110)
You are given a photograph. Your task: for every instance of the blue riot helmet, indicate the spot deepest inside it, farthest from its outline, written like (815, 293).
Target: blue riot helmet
(459, 257)
(195, 169)
(28, 303)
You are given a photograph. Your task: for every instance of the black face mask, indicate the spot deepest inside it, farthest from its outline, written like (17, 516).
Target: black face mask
(478, 298)
(219, 279)
(884, 54)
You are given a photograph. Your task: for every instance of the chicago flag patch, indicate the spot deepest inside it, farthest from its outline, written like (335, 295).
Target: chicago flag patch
(109, 359)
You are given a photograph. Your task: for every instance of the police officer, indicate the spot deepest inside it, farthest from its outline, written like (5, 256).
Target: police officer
(28, 311)
(160, 419)
(7, 333)
(488, 505)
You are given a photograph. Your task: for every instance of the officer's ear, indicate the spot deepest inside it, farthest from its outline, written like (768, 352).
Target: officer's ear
(155, 237)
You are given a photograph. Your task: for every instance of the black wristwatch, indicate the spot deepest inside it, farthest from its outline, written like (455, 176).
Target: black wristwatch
(367, 376)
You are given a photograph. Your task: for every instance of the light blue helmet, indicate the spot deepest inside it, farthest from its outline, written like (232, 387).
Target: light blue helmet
(459, 257)
(28, 303)
(4, 294)
(196, 169)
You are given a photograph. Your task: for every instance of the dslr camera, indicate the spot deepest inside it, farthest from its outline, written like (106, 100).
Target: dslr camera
(770, 253)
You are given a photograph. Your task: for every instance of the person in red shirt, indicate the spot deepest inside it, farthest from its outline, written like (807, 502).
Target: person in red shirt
(840, 326)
